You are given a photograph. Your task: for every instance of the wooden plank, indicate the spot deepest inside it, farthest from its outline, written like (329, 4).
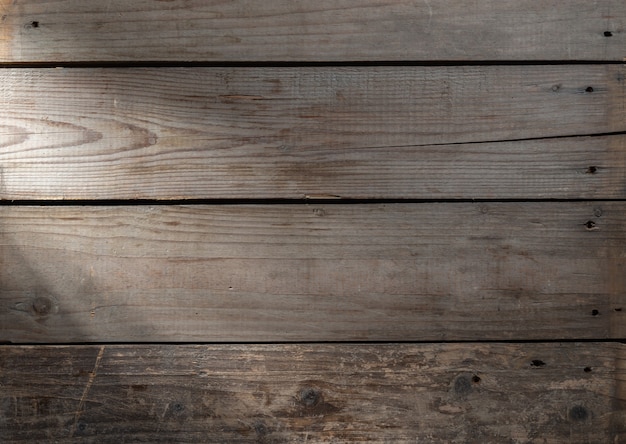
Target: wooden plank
(455, 271)
(364, 132)
(299, 30)
(436, 393)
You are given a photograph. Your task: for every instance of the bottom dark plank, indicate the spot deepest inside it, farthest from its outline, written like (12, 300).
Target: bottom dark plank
(437, 393)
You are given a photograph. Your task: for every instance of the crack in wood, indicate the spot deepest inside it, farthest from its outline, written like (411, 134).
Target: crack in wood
(81, 404)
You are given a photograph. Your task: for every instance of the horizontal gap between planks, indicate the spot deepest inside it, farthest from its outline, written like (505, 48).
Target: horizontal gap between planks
(371, 342)
(287, 64)
(216, 202)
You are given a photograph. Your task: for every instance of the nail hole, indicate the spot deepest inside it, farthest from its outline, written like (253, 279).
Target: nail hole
(594, 312)
(555, 88)
(475, 379)
(589, 89)
(34, 24)
(537, 363)
(587, 369)
(618, 309)
(590, 225)
(592, 170)
(608, 34)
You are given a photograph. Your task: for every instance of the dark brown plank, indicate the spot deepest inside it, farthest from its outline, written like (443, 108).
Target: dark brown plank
(365, 132)
(300, 30)
(453, 393)
(457, 271)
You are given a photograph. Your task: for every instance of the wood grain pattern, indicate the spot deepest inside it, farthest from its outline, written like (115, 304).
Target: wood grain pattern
(383, 123)
(359, 132)
(435, 393)
(399, 272)
(300, 30)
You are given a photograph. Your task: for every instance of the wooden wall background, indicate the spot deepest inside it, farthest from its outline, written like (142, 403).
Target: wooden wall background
(329, 221)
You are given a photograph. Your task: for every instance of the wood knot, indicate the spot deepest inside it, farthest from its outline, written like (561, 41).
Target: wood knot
(578, 413)
(42, 306)
(310, 402)
(310, 397)
(260, 428)
(462, 385)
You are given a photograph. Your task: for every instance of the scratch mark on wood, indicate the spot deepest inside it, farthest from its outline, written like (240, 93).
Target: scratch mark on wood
(81, 404)
(167, 407)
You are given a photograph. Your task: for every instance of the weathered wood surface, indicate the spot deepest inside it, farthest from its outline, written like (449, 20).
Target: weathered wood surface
(301, 30)
(357, 132)
(453, 393)
(320, 272)
(453, 271)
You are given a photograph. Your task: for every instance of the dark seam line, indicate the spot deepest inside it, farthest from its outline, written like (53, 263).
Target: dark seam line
(524, 139)
(327, 342)
(295, 64)
(338, 201)
(495, 141)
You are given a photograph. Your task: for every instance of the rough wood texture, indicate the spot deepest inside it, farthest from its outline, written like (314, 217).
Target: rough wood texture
(313, 273)
(360, 132)
(228, 128)
(462, 393)
(301, 30)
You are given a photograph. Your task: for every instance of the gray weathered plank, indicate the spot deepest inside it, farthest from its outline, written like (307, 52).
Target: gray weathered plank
(454, 271)
(364, 132)
(452, 393)
(301, 30)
